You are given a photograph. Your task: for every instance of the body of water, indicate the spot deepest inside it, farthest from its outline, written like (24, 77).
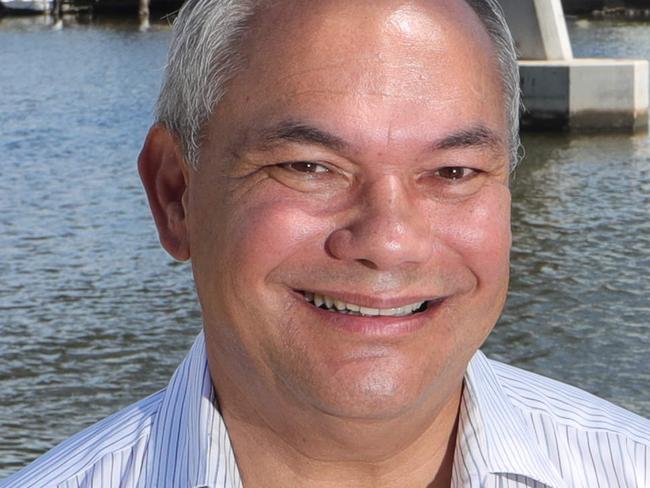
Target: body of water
(94, 315)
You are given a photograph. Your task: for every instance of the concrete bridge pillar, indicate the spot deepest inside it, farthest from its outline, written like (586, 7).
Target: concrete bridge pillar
(562, 92)
(539, 29)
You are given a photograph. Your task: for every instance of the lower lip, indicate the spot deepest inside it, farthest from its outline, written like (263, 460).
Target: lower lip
(375, 326)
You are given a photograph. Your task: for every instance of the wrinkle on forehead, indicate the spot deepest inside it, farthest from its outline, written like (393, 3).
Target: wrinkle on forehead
(378, 78)
(450, 98)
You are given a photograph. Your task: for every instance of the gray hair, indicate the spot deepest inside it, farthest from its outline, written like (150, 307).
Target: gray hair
(204, 56)
(491, 14)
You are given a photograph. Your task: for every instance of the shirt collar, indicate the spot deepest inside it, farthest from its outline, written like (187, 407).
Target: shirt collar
(189, 445)
(508, 445)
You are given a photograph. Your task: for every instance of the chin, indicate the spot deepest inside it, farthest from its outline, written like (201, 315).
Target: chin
(371, 389)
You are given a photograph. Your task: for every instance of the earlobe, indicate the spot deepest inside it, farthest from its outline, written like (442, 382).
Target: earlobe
(165, 176)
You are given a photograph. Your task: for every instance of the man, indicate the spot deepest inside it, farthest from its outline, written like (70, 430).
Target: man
(338, 173)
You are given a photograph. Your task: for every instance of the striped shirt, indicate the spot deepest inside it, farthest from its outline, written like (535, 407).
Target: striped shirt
(516, 429)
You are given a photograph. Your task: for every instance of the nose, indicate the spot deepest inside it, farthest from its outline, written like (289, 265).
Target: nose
(387, 231)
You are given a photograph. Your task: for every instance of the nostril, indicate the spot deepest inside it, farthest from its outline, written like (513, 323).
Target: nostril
(367, 263)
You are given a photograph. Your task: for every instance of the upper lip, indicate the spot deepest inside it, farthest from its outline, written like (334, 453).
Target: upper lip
(374, 301)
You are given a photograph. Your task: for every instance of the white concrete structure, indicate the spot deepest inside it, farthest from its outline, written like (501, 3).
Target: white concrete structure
(585, 94)
(562, 92)
(539, 29)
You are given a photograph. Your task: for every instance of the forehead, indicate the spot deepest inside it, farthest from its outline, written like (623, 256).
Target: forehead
(382, 66)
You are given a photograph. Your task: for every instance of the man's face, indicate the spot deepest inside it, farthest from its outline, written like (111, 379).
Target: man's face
(360, 158)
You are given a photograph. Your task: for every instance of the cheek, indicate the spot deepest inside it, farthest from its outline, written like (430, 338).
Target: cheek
(262, 235)
(482, 236)
(253, 237)
(481, 242)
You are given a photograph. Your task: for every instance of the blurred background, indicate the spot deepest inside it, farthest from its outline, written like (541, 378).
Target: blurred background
(94, 315)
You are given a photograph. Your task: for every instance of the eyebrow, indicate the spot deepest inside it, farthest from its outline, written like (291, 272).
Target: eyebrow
(299, 132)
(477, 136)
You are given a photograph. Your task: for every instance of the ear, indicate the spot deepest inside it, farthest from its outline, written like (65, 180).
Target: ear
(165, 176)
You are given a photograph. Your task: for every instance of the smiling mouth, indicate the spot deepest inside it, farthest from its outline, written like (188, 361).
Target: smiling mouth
(330, 304)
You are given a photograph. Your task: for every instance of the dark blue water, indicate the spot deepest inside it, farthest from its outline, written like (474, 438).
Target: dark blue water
(94, 315)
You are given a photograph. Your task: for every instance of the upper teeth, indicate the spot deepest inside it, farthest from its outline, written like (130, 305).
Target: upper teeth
(334, 304)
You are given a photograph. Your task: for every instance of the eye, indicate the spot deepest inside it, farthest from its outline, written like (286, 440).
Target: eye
(304, 167)
(455, 173)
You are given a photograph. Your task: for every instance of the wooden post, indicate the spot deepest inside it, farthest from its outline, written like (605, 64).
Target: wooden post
(57, 23)
(143, 14)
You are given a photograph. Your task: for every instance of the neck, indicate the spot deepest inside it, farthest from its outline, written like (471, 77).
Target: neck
(415, 450)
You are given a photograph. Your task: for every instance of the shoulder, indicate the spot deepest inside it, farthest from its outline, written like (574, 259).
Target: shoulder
(590, 441)
(113, 448)
(541, 428)
(567, 405)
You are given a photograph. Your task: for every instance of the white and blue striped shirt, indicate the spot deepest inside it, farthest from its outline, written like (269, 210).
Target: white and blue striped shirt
(516, 429)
